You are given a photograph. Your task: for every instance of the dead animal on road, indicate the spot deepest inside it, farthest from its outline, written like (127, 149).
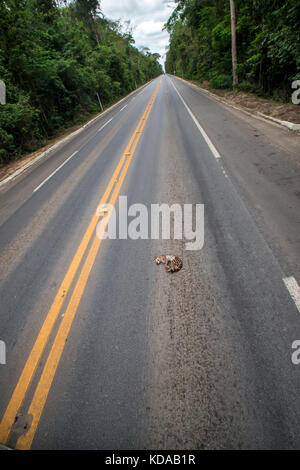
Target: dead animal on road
(172, 263)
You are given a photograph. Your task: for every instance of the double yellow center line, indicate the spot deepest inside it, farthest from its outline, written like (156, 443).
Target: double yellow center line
(42, 389)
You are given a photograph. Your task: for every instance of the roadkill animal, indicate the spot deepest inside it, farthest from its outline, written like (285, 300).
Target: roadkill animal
(172, 263)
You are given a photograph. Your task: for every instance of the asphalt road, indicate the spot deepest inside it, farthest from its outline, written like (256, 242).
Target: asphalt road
(105, 349)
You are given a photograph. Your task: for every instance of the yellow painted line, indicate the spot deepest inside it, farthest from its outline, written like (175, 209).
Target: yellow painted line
(45, 382)
(41, 341)
(43, 336)
(40, 396)
(47, 376)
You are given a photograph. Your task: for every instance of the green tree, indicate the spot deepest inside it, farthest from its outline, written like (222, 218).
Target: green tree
(55, 57)
(268, 43)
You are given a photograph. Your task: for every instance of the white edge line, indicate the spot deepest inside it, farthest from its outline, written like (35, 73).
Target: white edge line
(55, 171)
(68, 137)
(123, 107)
(294, 290)
(290, 125)
(290, 282)
(105, 125)
(205, 136)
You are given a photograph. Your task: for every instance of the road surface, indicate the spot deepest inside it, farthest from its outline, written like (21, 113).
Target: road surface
(105, 349)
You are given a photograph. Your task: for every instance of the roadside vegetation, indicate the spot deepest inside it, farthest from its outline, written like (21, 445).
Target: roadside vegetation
(55, 57)
(268, 44)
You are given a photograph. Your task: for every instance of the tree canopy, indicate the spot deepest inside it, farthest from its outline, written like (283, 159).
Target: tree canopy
(55, 56)
(268, 44)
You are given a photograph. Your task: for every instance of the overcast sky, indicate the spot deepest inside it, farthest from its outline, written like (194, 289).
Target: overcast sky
(147, 20)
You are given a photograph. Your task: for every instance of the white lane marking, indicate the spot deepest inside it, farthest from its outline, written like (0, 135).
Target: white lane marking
(205, 136)
(65, 139)
(290, 282)
(105, 125)
(123, 107)
(223, 170)
(55, 171)
(294, 290)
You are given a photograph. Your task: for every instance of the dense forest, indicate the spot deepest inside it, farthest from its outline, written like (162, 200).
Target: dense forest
(55, 56)
(268, 44)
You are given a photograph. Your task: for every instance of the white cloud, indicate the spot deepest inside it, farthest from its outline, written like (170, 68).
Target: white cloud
(147, 19)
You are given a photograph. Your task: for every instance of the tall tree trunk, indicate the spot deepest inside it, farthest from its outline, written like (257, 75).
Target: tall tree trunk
(233, 44)
(94, 29)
